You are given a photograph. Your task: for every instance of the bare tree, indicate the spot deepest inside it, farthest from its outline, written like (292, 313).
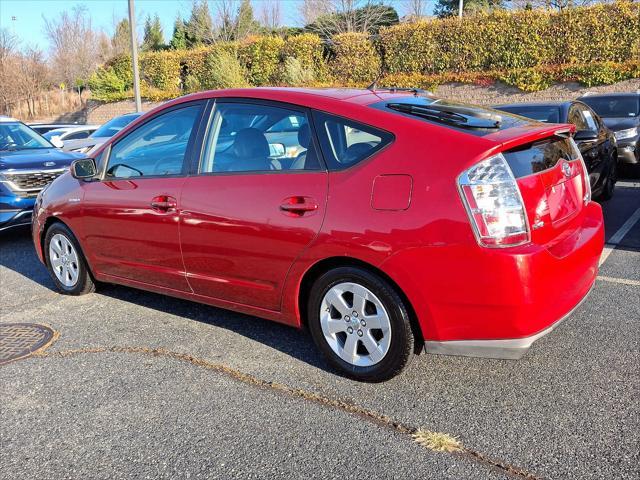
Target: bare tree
(226, 18)
(8, 86)
(416, 9)
(75, 46)
(32, 77)
(270, 14)
(353, 16)
(310, 10)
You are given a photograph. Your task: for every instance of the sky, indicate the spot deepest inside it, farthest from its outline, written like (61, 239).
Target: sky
(25, 18)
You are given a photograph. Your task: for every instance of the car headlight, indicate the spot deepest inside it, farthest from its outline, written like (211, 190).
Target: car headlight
(626, 133)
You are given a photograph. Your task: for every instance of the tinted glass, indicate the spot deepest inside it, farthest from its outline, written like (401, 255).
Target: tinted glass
(345, 142)
(114, 125)
(77, 135)
(539, 156)
(576, 116)
(155, 148)
(610, 107)
(256, 138)
(549, 114)
(17, 136)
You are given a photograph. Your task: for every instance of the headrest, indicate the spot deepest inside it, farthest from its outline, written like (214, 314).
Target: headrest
(250, 143)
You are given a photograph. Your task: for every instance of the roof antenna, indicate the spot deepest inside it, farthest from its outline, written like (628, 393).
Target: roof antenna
(374, 86)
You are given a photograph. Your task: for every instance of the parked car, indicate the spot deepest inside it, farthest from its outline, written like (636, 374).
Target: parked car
(596, 142)
(101, 135)
(405, 220)
(28, 162)
(621, 113)
(58, 136)
(43, 128)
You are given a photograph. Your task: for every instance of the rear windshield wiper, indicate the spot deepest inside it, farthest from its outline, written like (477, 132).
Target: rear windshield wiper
(445, 116)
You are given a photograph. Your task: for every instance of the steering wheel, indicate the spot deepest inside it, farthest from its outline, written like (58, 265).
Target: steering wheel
(4, 145)
(114, 168)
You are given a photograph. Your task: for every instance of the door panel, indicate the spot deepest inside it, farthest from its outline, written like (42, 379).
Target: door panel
(237, 243)
(131, 217)
(258, 202)
(128, 237)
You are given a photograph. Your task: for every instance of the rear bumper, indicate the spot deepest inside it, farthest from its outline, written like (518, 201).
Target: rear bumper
(484, 302)
(508, 349)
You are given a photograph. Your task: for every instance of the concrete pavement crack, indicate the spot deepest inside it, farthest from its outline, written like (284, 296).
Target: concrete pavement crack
(419, 435)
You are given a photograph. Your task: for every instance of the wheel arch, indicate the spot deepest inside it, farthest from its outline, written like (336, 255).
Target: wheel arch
(322, 266)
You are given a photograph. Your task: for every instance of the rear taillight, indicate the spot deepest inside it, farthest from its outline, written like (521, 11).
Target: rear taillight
(586, 183)
(494, 203)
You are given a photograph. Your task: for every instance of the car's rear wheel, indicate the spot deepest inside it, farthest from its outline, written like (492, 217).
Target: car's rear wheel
(360, 323)
(65, 261)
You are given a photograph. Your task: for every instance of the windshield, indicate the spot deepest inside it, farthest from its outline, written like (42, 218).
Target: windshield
(17, 136)
(541, 113)
(611, 107)
(113, 126)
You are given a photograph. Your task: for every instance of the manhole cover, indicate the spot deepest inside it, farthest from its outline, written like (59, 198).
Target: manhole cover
(18, 340)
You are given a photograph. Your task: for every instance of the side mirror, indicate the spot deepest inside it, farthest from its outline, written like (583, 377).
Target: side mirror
(84, 168)
(585, 136)
(57, 142)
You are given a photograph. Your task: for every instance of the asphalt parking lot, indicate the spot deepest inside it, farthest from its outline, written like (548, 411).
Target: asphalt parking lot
(143, 386)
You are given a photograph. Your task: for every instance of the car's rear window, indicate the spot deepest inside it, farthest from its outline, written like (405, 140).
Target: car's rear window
(541, 113)
(470, 119)
(539, 156)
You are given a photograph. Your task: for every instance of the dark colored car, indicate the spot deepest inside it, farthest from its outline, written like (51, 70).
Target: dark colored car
(28, 162)
(362, 237)
(621, 113)
(596, 142)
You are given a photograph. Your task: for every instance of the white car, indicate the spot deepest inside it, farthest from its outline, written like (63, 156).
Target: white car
(101, 135)
(58, 136)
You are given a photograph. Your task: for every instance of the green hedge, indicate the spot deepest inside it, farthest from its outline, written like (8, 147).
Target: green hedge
(508, 40)
(530, 49)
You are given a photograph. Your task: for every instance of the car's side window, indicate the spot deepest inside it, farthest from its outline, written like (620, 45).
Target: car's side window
(576, 117)
(590, 118)
(157, 147)
(77, 135)
(345, 142)
(251, 137)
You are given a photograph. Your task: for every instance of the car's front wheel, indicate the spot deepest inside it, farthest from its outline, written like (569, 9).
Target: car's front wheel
(610, 181)
(65, 261)
(360, 323)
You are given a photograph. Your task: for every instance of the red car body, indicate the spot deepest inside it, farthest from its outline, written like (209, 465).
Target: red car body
(400, 213)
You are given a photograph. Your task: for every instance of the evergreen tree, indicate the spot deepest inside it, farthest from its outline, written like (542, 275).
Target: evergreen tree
(121, 40)
(199, 28)
(245, 23)
(153, 35)
(179, 38)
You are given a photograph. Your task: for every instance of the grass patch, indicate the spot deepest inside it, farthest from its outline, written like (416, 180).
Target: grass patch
(439, 442)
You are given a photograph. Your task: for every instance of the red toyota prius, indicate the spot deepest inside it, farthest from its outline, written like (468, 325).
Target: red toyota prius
(385, 221)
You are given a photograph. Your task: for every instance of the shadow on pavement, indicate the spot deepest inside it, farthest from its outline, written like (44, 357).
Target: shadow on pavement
(17, 254)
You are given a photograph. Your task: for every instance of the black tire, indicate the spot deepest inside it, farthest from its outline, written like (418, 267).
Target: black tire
(401, 345)
(610, 182)
(84, 283)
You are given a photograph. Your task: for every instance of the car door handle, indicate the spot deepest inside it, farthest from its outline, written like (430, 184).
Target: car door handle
(164, 203)
(298, 206)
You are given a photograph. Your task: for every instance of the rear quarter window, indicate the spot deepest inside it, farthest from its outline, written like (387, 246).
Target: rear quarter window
(345, 143)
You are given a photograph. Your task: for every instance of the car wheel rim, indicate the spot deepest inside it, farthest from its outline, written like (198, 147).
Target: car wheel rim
(355, 324)
(64, 260)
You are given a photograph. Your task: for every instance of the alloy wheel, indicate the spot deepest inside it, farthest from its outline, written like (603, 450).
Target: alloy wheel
(64, 260)
(355, 324)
